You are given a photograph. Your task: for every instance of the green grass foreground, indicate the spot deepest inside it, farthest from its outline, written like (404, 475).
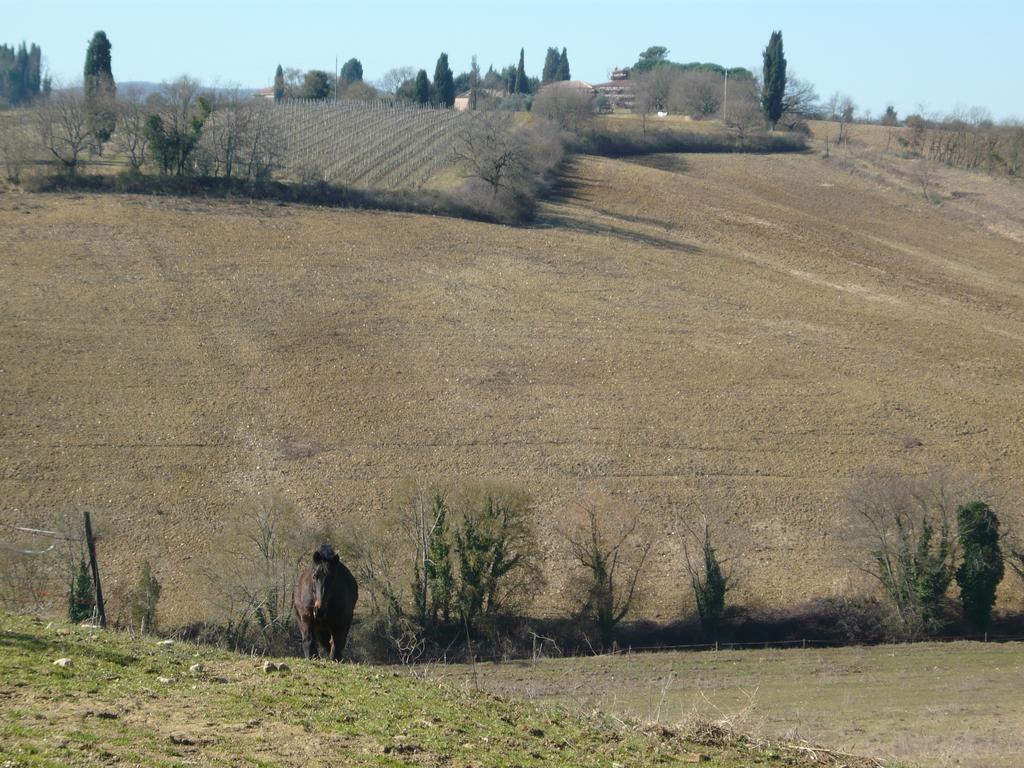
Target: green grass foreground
(135, 701)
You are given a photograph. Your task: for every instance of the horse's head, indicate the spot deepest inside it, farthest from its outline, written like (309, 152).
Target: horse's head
(325, 562)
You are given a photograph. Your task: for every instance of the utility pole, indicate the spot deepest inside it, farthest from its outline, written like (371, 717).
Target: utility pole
(725, 98)
(335, 78)
(90, 541)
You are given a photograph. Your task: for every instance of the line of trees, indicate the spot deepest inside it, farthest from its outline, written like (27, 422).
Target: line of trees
(320, 85)
(449, 563)
(556, 67)
(21, 76)
(472, 557)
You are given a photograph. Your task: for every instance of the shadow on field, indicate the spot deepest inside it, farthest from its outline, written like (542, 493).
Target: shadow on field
(567, 188)
(672, 163)
(75, 644)
(556, 221)
(634, 219)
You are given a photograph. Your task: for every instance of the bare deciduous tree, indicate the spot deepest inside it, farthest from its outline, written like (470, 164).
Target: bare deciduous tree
(18, 145)
(253, 570)
(495, 151)
(698, 93)
(570, 109)
(902, 531)
(394, 77)
(424, 517)
(609, 543)
(131, 136)
(745, 114)
(652, 92)
(63, 123)
(845, 115)
(799, 103)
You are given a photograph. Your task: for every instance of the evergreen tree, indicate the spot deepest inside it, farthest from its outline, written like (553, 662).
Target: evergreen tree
(444, 82)
(317, 85)
(422, 87)
(562, 73)
(981, 570)
(100, 89)
(550, 71)
(774, 86)
(20, 74)
(474, 83)
(80, 596)
(279, 85)
(19, 83)
(651, 58)
(522, 84)
(33, 75)
(351, 72)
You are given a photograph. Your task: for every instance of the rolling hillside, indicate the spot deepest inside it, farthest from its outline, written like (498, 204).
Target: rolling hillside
(767, 326)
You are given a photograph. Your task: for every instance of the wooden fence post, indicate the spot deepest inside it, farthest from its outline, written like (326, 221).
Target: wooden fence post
(91, 542)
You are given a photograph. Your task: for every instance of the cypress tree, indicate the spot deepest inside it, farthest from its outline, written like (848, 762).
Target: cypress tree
(19, 76)
(774, 87)
(279, 85)
(34, 74)
(522, 83)
(444, 82)
(422, 87)
(550, 71)
(100, 89)
(981, 570)
(474, 83)
(563, 66)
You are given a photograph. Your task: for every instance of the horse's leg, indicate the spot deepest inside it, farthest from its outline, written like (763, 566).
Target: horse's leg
(323, 640)
(339, 637)
(307, 639)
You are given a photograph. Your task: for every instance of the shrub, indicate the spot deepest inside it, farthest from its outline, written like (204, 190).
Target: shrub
(570, 110)
(145, 598)
(81, 599)
(253, 570)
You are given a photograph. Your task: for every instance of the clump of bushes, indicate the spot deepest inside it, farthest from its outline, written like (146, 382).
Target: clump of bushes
(622, 144)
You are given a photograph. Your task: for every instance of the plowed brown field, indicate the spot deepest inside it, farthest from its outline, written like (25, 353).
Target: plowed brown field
(773, 325)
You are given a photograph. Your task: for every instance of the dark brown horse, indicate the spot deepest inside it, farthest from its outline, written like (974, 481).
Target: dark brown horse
(325, 596)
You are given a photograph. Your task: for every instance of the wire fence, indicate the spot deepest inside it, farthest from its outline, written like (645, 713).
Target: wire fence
(801, 644)
(39, 578)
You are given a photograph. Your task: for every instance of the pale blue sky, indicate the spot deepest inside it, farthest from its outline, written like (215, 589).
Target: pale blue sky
(940, 54)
